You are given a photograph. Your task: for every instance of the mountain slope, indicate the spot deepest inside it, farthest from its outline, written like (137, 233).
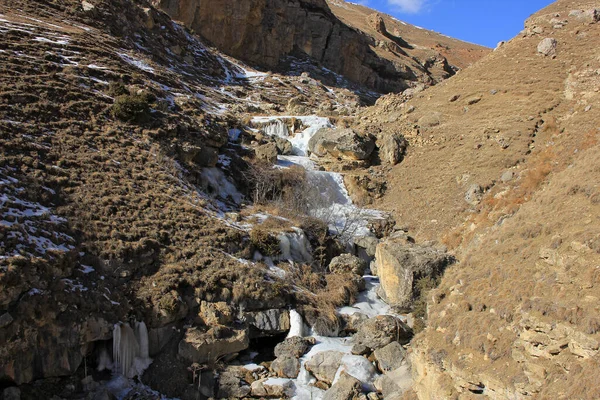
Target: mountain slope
(502, 168)
(361, 48)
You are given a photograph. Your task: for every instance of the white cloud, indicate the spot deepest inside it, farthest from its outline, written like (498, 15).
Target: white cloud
(409, 6)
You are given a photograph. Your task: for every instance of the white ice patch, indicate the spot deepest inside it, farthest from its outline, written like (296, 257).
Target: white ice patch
(136, 62)
(299, 140)
(218, 182)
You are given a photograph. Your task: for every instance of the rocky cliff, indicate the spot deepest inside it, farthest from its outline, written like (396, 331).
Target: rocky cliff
(267, 32)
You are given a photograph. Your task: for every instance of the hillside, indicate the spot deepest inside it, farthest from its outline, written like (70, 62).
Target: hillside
(502, 168)
(368, 48)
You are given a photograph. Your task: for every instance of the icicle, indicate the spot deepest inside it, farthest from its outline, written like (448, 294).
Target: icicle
(141, 333)
(104, 361)
(116, 347)
(296, 324)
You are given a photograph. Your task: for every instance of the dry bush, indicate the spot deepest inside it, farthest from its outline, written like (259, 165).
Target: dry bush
(264, 241)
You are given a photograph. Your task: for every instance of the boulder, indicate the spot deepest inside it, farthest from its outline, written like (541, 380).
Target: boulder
(200, 347)
(273, 387)
(382, 330)
(394, 382)
(547, 47)
(474, 194)
(216, 313)
(365, 247)
(401, 263)
(268, 322)
(294, 346)
(392, 147)
(347, 263)
(390, 357)
(327, 325)
(284, 146)
(324, 365)
(345, 388)
(267, 152)
(232, 384)
(341, 143)
(286, 367)
(586, 16)
(353, 321)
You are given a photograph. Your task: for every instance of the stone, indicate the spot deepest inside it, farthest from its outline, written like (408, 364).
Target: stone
(347, 263)
(11, 393)
(294, 346)
(360, 350)
(159, 337)
(201, 347)
(232, 384)
(87, 6)
(392, 147)
(547, 47)
(268, 322)
(400, 263)
(382, 330)
(353, 321)
(267, 152)
(216, 313)
(286, 367)
(366, 243)
(390, 357)
(474, 194)
(507, 176)
(273, 388)
(345, 388)
(284, 146)
(341, 143)
(430, 120)
(473, 100)
(327, 325)
(394, 383)
(586, 16)
(324, 365)
(5, 320)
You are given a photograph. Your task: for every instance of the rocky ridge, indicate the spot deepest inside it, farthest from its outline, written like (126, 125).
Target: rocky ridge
(367, 48)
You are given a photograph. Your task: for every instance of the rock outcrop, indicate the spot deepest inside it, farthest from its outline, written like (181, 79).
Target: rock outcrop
(401, 263)
(265, 32)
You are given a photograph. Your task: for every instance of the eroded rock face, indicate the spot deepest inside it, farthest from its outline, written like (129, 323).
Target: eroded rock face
(268, 322)
(400, 264)
(263, 32)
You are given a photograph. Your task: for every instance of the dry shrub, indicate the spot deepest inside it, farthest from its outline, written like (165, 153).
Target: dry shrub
(264, 241)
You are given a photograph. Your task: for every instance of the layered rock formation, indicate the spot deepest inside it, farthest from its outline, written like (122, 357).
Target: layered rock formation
(265, 32)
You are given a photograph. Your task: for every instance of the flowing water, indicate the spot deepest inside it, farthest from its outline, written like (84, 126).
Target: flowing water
(344, 218)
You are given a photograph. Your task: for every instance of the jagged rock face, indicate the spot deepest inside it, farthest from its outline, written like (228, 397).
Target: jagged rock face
(263, 32)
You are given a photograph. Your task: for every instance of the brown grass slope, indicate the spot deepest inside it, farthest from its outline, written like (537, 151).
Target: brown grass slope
(518, 316)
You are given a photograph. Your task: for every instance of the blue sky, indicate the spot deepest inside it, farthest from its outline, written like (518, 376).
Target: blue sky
(484, 22)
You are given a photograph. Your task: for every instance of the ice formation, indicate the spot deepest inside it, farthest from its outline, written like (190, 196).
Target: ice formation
(130, 349)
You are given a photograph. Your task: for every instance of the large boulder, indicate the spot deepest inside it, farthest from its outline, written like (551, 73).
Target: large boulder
(268, 322)
(341, 143)
(324, 365)
(401, 263)
(345, 388)
(392, 147)
(201, 347)
(347, 263)
(390, 357)
(294, 346)
(286, 367)
(395, 382)
(547, 47)
(380, 331)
